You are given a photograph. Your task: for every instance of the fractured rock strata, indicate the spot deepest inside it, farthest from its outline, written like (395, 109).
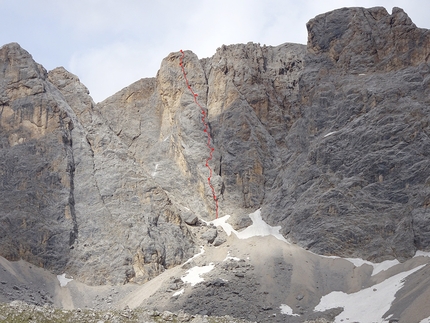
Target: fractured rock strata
(330, 140)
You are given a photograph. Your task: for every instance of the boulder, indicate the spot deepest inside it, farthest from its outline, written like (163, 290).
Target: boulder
(210, 235)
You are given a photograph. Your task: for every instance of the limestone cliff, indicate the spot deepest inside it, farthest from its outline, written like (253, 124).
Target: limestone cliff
(356, 182)
(330, 140)
(73, 197)
(37, 213)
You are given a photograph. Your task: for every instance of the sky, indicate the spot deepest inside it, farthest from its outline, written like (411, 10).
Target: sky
(110, 44)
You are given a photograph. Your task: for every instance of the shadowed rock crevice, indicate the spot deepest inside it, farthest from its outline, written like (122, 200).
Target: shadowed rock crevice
(75, 232)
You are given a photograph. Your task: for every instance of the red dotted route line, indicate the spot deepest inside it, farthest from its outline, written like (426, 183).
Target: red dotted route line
(206, 129)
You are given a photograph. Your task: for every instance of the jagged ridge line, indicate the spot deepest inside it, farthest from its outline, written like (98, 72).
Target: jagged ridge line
(206, 129)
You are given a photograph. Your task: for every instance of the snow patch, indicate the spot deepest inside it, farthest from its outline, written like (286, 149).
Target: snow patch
(63, 280)
(178, 293)
(377, 267)
(358, 262)
(285, 309)
(420, 253)
(155, 170)
(330, 133)
(193, 275)
(228, 257)
(367, 305)
(202, 251)
(426, 320)
(258, 228)
(222, 222)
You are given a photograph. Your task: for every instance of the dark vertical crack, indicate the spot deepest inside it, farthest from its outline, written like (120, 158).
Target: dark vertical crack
(71, 170)
(74, 232)
(67, 125)
(220, 166)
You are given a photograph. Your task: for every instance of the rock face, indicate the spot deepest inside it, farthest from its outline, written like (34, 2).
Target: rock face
(330, 140)
(356, 182)
(37, 213)
(73, 197)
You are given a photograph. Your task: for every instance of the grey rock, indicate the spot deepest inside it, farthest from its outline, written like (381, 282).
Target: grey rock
(250, 103)
(420, 218)
(241, 222)
(189, 218)
(210, 235)
(219, 240)
(36, 162)
(342, 36)
(356, 171)
(183, 317)
(174, 286)
(64, 169)
(218, 283)
(167, 316)
(122, 191)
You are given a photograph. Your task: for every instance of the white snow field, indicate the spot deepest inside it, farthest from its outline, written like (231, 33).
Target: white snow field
(368, 305)
(202, 251)
(377, 267)
(228, 257)
(285, 309)
(193, 275)
(420, 253)
(178, 293)
(63, 280)
(258, 228)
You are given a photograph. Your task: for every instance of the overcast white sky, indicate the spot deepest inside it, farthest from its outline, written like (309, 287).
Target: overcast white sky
(109, 44)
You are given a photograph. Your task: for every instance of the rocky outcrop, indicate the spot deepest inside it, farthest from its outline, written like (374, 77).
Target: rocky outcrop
(129, 223)
(37, 213)
(330, 140)
(73, 197)
(358, 40)
(357, 180)
(252, 103)
(18, 310)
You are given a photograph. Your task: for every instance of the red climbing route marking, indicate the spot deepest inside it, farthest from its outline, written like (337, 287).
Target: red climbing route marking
(206, 130)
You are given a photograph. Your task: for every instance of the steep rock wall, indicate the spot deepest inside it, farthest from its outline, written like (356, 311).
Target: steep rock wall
(37, 215)
(359, 181)
(330, 140)
(72, 197)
